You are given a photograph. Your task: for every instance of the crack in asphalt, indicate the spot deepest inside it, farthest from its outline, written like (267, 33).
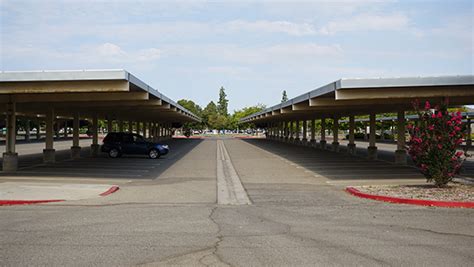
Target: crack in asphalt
(291, 233)
(220, 239)
(434, 232)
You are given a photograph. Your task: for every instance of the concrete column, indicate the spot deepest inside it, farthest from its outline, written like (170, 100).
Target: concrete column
(49, 152)
(351, 147)
(322, 142)
(120, 126)
(27, 131)
(10, 157)
(95, 136)
(110, 125)
(298, 129)
(65, 129)
(400, 153)
(138, 129)
(468, 133)
(372, 149)
(58, 127)
(145, 130)
(130, 126)
(365, 131)
(382, 129)
(279, 126)
(38, 130)
(335, 131)
(305, 132)
(313, 132)
(291, 132)
(150, 130)
(274, 130)
(285, 131)
(75, 149)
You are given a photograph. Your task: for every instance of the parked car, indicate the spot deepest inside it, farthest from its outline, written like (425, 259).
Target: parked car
(117, 143)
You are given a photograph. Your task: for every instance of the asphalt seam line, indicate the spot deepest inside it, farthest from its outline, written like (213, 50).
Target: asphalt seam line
(230, 190)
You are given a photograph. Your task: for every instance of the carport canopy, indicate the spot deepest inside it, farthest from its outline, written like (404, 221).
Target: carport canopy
(347, 97)
(112, 95)
(351, 97)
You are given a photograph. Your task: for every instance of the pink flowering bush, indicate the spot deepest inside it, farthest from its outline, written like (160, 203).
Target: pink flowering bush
(434, 140)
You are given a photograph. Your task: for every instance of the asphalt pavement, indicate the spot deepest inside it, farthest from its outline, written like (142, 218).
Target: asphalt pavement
(166, 213)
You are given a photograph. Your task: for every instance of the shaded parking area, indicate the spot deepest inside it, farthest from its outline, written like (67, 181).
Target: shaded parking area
(336, 166)
(100, 167)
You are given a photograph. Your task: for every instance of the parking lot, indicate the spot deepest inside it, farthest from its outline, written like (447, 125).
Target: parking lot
(165, 213)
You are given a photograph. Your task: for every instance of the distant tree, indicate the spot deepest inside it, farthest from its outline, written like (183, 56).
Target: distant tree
(191, 106)
(196, 110)
(223, 103)
(284, 97)
(210, 111)
(242, 113)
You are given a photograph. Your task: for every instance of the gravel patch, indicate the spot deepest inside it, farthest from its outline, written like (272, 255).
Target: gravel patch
(453, 192)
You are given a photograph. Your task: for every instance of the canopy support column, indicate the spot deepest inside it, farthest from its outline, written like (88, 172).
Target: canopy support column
(10, 157)
(27, 131)
(75, 149)
(95, 136)
(372, 149)
(305, 132)
(351, 147)
(335, 132)
(49, 152)
(322, 142)
(313, 132)
(297, 134)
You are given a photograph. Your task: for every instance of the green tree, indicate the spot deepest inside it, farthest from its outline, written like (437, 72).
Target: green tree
(191, 106)
(210, 111)
(242, 113)
(223, 103)
(196, 110)
(284, 97)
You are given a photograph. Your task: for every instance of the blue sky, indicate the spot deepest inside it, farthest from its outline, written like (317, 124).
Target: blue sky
(255, 49)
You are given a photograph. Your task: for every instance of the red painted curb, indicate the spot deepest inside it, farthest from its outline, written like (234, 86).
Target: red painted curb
(433, 203)
(111, 190)
(26, 202)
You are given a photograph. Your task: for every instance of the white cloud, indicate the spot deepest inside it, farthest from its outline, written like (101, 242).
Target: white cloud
(149, 54)
(109, 50)
(278, 53)
(265, 26)
(367, 22)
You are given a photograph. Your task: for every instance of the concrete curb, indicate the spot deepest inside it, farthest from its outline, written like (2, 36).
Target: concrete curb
(111, 190)
(419, 202)
(27, 202)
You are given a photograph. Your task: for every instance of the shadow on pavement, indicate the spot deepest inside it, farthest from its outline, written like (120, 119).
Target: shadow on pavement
(126, 167)
(336, 166)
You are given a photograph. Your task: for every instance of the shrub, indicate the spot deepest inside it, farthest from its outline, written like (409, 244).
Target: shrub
(433, 144)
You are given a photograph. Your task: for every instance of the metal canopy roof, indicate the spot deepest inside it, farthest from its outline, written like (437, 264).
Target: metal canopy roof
(362, 96)
(112, 93)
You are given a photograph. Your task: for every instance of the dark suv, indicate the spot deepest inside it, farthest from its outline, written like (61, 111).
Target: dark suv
(117, 144)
